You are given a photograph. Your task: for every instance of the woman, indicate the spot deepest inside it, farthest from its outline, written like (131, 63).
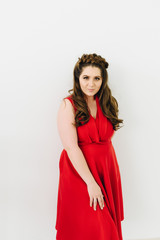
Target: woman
(90, 202)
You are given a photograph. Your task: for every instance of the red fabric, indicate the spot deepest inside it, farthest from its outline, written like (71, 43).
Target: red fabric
(76, 220)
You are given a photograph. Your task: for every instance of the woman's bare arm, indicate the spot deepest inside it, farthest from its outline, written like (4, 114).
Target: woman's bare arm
(68, 135)
(69, 138)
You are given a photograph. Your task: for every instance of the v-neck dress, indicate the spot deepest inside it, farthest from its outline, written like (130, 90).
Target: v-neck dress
(75, 219)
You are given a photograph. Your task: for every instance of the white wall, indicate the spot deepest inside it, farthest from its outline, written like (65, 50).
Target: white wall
(40, 43)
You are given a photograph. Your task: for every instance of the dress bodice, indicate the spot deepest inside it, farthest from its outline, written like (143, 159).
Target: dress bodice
(99, 130)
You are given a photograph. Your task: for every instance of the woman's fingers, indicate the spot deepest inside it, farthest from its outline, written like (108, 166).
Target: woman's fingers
(91, 201)
(95, 203)
(101, 202)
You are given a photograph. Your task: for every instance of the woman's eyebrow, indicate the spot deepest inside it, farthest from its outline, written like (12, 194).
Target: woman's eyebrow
(87, 75)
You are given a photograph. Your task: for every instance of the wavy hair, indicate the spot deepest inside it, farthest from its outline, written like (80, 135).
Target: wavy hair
(108, 103)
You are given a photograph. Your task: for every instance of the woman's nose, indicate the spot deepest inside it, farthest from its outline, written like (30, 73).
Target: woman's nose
(91, 83)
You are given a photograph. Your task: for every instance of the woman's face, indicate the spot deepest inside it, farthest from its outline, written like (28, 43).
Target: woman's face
(90, 80)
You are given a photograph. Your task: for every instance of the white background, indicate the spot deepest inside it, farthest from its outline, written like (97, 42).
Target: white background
(40, 42)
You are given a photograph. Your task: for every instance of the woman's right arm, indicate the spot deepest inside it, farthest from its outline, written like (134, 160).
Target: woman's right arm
(69, 138)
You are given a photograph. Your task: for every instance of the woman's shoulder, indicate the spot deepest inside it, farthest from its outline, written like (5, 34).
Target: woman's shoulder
(69, 97)
(66, 110)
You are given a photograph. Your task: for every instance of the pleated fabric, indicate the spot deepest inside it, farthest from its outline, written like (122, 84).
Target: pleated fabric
(75, 219)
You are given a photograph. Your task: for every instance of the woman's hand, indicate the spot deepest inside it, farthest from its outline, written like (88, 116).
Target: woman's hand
(95, 195)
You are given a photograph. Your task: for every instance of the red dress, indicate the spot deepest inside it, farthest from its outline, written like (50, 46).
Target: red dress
(76, 220)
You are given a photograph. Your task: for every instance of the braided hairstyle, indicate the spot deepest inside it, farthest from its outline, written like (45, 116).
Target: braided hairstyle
(93, 59)
(108, 103)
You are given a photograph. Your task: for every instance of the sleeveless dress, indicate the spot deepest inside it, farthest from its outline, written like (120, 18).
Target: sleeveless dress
(75, 219)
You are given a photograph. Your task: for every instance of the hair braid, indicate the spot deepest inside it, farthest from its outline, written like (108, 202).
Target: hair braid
(93, 59)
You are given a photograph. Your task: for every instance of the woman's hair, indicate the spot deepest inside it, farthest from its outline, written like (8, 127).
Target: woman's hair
(108, 103)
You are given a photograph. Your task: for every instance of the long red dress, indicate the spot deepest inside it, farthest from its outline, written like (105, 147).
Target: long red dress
(76, 220)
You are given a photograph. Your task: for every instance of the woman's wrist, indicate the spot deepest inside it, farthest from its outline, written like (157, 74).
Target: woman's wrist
(90, 181)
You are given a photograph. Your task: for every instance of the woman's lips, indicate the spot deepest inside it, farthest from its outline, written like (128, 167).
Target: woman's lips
(90, 89)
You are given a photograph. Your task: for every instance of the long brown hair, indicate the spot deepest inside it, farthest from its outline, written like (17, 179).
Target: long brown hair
(108, 103)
